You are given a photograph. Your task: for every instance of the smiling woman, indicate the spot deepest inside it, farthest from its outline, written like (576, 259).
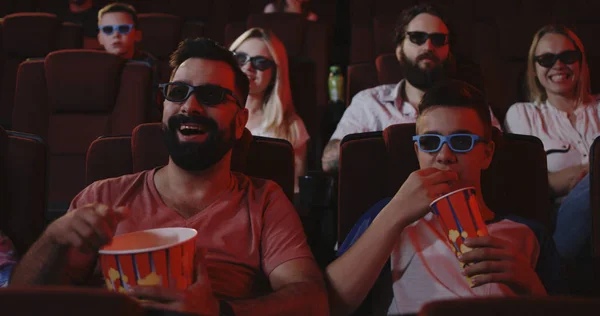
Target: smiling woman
(561, 112)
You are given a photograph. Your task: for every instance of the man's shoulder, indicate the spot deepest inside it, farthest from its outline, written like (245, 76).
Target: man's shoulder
(109, 189)
(257, 185)
(378, 94)
(121, 180)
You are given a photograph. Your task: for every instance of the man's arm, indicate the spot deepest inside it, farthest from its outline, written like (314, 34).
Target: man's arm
(331, 156)
(298, 289)
(43, 264)
(69, 243)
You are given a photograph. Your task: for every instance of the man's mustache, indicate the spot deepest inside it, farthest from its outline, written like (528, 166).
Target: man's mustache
(428, 55)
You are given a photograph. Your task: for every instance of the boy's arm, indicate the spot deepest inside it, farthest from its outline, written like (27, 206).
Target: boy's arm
(351, 276)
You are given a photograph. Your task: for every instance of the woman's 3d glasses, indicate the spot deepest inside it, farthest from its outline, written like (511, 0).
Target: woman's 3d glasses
(258, 62)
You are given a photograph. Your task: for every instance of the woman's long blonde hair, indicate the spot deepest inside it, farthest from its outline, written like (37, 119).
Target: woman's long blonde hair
(537, 93)
(278, 107)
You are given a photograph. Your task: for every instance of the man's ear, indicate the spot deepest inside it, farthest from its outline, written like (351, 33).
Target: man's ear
(488, 153)
(240, 122)
(399, 52)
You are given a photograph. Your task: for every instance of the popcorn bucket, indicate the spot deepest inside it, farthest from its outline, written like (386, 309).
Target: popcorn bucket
(460, 217)
(156, 257)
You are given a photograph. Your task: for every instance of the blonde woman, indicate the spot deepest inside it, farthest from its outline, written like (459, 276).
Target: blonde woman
(263, 58)
(561, 112)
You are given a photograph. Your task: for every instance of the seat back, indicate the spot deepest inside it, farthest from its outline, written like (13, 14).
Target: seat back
(71, 98)
(360, 77)
(22, 187)
(67, 301)
(517, 306)
(30, 35)
(254, 156)
(374, 165)
(161, 33)
(595, 203)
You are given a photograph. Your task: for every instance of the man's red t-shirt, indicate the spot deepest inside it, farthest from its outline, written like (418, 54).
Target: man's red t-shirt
(246, 233)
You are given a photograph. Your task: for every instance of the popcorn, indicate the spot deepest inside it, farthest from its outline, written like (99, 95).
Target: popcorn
(453, 235)
(150, 280)
(464, 249)
(114, 275)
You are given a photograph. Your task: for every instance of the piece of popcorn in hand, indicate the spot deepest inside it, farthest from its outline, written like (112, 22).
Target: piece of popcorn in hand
(464, 248)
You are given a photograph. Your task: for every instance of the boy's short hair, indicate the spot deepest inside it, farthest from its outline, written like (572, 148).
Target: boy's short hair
(456, 93)
(206, 48)
(120, 7)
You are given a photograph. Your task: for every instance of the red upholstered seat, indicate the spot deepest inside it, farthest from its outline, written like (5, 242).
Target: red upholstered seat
(71, 98)
(595, 201)
(161, 33)
(260, 157)
(516, 306)
(67, 301)
(29, 35)
(22, 187)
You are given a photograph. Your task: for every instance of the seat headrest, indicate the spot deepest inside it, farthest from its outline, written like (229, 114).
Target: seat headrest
(29, 34)
(83, 80)
(292, 35)
(150, 151)
(401, 153)
(161, 33)
(389, 69)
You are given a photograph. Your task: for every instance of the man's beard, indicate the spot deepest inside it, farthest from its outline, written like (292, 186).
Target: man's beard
(193, 156)
(420, 78)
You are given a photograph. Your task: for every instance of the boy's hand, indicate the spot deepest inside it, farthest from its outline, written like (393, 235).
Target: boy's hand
(495, 260)
(420, 189)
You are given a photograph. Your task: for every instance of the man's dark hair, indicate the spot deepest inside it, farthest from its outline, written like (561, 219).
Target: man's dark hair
(120, 7)
(456, 93)
(409, 14)
(208, 49)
